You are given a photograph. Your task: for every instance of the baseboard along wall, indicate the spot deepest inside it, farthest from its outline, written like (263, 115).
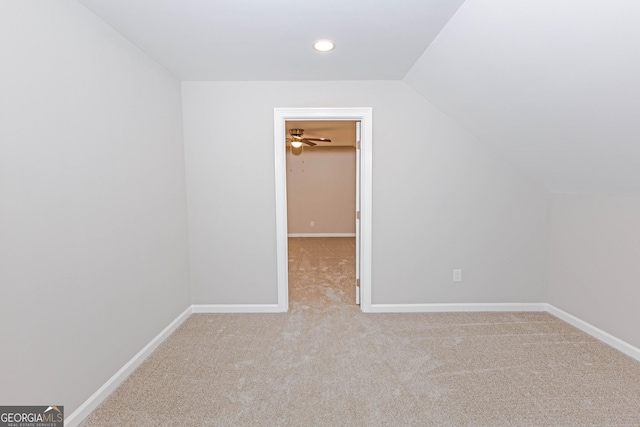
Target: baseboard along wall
(77, 416)
(236, 308)
(453, 307)
(119, 377)
(321, 235)
(597, 333)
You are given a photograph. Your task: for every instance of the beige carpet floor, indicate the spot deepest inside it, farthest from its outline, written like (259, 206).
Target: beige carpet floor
(325, 363)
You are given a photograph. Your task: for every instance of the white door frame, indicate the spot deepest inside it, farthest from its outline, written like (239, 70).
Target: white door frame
(365, 116)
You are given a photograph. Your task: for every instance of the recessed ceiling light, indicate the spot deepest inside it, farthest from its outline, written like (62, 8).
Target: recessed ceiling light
(323, 45)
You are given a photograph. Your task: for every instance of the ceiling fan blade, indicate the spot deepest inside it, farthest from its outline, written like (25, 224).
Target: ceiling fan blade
(306, 141)
(318, 139)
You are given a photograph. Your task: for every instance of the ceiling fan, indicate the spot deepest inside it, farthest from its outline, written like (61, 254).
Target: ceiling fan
(297, 140)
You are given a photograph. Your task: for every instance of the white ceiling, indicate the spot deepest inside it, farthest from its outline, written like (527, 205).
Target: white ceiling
(272, 39)
(553, 86)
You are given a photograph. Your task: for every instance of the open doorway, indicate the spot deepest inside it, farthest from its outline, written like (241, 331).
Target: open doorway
(362, 118)
(321, 212)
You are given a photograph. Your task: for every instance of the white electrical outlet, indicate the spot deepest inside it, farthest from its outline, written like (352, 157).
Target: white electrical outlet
(312, 224)
(457, 275)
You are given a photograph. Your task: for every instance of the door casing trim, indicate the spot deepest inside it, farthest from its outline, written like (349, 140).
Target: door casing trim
(365, 116)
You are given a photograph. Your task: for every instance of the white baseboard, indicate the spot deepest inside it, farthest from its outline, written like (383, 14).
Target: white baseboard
(321, 235)
(445, 307)
(118, 378)
(597, 333)
(236, 308)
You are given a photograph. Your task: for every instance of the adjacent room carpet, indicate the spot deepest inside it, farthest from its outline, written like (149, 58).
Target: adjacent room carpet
(325, 363)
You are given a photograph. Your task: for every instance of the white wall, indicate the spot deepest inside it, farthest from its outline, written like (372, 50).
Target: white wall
(551, 85)
(441, 200)
(321, 187)
(93, 249)
(595, 261)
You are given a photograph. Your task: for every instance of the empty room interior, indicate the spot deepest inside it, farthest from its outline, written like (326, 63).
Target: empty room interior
(463, 251)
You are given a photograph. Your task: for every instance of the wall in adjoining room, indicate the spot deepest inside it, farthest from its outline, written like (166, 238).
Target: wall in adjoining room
(321, 188)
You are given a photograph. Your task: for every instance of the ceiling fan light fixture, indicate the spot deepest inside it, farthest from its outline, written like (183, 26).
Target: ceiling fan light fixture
(324, 45)
(296, 144)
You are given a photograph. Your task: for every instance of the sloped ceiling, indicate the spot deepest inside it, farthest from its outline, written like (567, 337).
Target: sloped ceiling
(552, 85)
(272, 39)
